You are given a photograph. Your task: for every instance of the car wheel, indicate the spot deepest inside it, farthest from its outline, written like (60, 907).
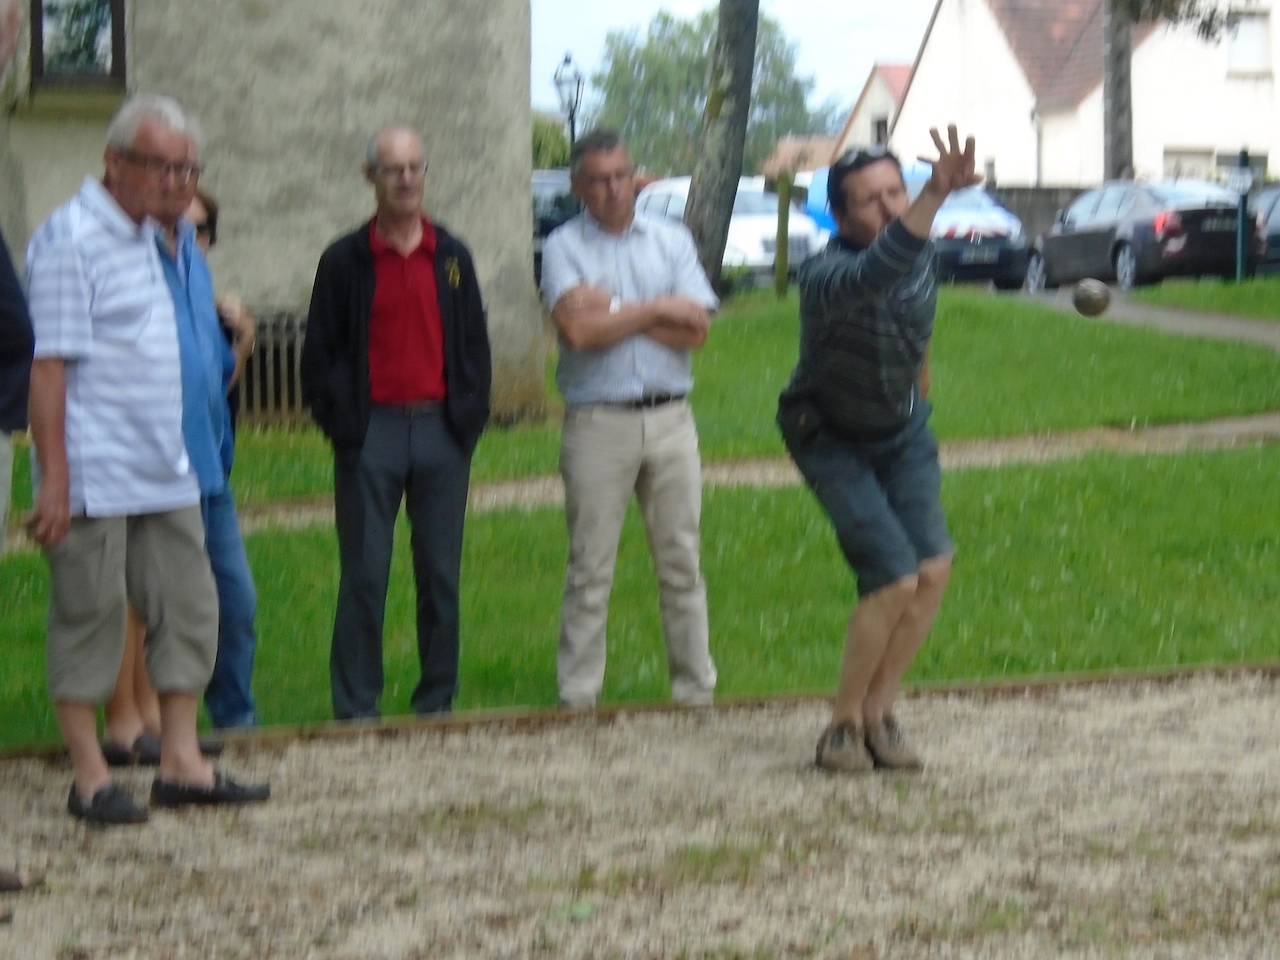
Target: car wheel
(1037, 276)
(1126, 267)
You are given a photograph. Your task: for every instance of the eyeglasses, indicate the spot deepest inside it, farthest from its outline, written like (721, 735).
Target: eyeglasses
(183, 172)
(604, 179)
(394, 171)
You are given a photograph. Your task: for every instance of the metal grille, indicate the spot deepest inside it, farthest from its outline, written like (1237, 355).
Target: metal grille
(270, 391)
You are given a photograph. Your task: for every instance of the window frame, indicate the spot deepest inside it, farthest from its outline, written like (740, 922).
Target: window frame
(115, 79)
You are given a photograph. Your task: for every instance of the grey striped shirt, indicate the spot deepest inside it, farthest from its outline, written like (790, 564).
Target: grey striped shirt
(866, 317)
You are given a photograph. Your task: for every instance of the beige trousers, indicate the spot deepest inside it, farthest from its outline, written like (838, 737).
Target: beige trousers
(606, 454)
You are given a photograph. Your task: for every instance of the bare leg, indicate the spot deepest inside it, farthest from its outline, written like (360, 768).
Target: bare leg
(180, 757)
(144, 694)
(79, 725)
(122, 713)
(905, 640)
(871, 624)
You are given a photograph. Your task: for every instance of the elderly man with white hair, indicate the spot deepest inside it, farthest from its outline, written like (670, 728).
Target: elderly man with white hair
(117, 509)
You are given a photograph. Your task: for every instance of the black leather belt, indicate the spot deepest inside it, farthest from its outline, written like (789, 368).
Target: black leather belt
(412, 409)
(647, 403)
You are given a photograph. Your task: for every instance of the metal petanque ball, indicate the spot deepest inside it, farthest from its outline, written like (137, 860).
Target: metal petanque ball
(1091, 297)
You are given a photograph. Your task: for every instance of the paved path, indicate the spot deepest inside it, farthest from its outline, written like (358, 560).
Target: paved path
(1125, 311)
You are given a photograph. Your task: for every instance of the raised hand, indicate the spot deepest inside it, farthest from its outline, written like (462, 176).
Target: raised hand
(954, 168)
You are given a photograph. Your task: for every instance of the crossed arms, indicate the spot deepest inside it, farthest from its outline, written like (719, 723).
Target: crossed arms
(585, 320)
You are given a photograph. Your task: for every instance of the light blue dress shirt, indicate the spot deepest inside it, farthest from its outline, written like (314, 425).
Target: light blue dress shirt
(206, 359)
(652, 258)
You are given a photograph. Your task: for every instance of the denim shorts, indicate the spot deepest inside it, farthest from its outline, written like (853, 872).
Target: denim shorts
(883, 497)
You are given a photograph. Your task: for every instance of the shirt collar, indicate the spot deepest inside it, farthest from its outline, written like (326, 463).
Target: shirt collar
(114, 220)
(638, 223)
(427, 244)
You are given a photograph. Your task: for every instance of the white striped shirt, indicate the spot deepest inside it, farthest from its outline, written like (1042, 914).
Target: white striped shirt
(100, 302)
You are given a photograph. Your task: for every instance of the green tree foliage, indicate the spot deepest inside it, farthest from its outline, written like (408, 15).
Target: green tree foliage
(654, 90)
(78, 33)
(1209, 17)
(550, 144)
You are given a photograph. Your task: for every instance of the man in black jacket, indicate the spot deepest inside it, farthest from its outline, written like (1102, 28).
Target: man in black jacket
(16, 343)
(396, 370)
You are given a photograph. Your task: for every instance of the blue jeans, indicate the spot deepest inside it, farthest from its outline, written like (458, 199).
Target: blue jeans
(228, 697)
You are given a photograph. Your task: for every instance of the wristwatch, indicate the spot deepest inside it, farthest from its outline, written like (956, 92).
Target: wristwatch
(615, 304)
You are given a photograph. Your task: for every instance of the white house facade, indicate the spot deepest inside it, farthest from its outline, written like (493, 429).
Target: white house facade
(1025, 76)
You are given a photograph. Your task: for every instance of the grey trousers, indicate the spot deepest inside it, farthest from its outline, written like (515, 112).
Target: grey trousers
(411, 457)
(606, 455)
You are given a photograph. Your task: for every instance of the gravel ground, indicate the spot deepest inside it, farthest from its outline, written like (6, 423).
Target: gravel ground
(1135, 820)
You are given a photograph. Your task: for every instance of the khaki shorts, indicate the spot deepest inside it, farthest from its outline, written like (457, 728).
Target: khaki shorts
(155, 561)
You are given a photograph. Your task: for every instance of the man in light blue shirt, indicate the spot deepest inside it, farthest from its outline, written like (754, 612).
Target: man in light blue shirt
(630, 302)
(207, 367)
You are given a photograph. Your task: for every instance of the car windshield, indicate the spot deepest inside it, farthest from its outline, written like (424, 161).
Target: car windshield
(1191, 191)
(753, 202)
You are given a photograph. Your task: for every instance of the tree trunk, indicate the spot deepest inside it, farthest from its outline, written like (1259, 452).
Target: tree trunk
(724, 131)
(1117, 90)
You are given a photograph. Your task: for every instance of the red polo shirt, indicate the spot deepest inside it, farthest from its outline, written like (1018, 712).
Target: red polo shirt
(406, 337)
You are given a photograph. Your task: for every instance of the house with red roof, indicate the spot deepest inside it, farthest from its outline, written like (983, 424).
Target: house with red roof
(872, 115)
(1025, 78)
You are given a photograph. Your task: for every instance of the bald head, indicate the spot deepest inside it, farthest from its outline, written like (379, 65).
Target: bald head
(395, 166)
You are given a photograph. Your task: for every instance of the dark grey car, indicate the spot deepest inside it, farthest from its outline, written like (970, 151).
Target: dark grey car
(553, 204)
(1133, 233)
(1265, 207)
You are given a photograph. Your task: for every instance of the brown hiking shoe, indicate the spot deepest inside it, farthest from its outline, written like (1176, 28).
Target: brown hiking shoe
(840, 749)
(889, 749)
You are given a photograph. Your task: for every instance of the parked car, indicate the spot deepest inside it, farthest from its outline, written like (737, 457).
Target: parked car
(977, 239)
(553, 204)
(1134, 233)
(753, 225)
(1265, 207)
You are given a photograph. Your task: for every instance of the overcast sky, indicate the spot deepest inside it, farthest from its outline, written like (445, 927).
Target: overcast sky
(837, 40)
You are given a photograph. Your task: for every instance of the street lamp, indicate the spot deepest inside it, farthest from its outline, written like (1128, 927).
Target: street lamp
(568, 81)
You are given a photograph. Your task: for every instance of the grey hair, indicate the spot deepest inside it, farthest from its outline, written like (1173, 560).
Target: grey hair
(165, 111)
(371, 145)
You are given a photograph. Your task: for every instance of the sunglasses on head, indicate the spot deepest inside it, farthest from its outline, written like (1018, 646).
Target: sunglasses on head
(860, 157)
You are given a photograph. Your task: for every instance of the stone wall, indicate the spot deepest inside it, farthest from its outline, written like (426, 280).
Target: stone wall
(288, 91)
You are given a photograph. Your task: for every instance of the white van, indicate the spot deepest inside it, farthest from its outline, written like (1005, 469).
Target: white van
(753, 225)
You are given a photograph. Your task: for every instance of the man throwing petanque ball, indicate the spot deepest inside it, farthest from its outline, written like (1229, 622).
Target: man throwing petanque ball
(855, 419)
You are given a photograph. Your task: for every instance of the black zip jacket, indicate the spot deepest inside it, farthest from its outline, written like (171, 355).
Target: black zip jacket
(16, 343)
(335, 352)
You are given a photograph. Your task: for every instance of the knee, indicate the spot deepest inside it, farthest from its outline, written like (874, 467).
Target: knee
(896, 596)
(934, 574)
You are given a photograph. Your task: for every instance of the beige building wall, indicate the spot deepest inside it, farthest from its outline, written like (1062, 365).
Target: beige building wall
(288, 91)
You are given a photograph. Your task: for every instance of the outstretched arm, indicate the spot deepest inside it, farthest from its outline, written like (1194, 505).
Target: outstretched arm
(952, 170)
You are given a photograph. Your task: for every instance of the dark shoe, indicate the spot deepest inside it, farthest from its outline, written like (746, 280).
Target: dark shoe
(110, 806)
(13, 881)
(889, 749)
(841, 750)
(146, 750)
(223, 790)
(116, 755)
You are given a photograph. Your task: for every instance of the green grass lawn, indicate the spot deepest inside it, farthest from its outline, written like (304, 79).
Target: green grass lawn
(1110, 561)
(1254, 298)
(1001, 367)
